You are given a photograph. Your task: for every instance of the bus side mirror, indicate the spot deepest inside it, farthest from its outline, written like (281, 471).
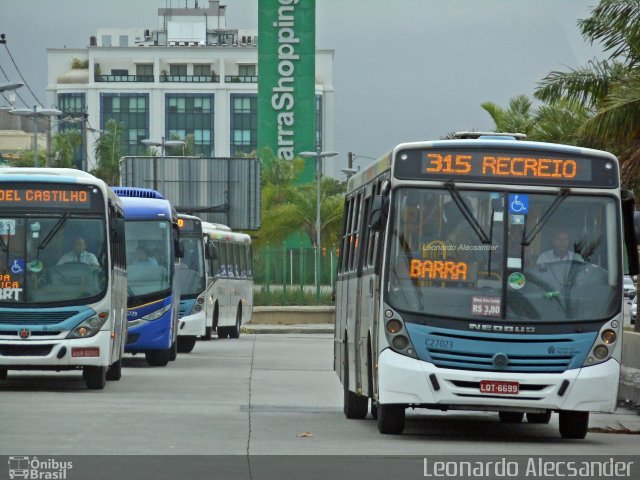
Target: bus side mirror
(631, 222)
(379, 210)
(177, 246)
(210, 251)
(116, 229)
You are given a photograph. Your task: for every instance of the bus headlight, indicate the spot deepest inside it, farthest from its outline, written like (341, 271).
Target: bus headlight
(601, 352)
(157, 314)
(90, 326)
(608, 336)
(396, 334)
(199, 305)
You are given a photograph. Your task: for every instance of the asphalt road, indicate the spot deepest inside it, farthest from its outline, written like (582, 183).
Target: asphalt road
(258, 395)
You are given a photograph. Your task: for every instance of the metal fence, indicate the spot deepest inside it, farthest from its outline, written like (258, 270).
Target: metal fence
(290, 273)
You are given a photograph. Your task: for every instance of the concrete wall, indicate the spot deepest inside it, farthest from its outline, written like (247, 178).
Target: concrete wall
(292, 315)
(631, 349)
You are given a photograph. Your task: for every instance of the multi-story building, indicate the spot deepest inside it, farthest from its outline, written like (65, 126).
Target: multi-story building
(192, 75)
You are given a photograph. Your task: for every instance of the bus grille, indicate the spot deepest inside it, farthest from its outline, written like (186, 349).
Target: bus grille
(25, 350)
(34, 318)
(517, 363)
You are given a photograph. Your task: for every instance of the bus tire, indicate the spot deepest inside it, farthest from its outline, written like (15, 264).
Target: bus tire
(186, 344)
(234, 332)
(3, 373)
(222, 332)
(158, 358)
(391, 419)
(539, 417)
(114, 372)
(173, 351)
(207, 333)
(511, 417)
(95, 377)
(574, 424)
(355, 406)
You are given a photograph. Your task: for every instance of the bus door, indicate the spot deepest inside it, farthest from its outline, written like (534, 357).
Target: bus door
(353, 290)
(365, 286)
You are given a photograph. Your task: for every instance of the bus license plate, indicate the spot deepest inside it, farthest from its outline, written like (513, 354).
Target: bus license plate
(495, 386)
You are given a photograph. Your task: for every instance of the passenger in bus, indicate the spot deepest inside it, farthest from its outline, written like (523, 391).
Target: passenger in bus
(79, 254)
(143, 258)
(560, 250)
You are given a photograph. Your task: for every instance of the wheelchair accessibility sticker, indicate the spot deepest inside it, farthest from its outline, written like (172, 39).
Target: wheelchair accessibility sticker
(518, 203)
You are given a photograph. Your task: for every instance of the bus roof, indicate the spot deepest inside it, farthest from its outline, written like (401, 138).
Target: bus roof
(216, 231)
(215, 226)
(147, 209)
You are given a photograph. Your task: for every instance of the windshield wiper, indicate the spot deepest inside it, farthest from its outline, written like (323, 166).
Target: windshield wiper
(52, 233)
(466, 212)
(527, 239)
(3, 245)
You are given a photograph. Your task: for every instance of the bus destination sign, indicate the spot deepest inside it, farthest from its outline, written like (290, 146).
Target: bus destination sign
(507, 166)
(44, 196)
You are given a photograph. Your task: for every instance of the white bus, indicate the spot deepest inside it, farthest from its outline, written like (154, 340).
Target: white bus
(63, 282)
(483, 274)
(229, 280)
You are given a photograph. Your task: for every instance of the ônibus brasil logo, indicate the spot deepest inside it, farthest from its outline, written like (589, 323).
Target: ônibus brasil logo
(32, 468)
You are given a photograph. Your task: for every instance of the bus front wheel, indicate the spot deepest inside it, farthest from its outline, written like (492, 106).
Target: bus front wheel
(95, 377)
(3, 373)
(511, 417)
(158, 358)
(186, 344)
(115, 370)
(574, 424)
(355, 406)
(391, 419)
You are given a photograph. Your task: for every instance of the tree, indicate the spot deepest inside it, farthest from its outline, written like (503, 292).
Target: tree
(610, 87)
(63, 146)
(517, 118)
(108, 150)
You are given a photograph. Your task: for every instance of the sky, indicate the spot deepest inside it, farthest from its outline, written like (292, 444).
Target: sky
(405, 70)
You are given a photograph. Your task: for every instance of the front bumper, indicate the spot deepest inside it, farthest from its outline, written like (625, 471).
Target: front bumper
(405, 380)
(192, 325)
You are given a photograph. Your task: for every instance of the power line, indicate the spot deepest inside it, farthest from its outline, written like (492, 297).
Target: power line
(4, 42)
(7, 78)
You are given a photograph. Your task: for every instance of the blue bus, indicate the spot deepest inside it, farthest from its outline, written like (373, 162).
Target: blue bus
(152, 246)
(62, 274)
(484, 273)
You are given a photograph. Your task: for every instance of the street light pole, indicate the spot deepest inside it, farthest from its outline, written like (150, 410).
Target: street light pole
(319, 155)
(35, 113)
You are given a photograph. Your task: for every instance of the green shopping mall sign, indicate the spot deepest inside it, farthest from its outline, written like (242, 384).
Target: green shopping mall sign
(286, 76)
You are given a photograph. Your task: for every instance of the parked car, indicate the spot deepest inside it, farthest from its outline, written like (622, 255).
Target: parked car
(634, 309)
(629, 288)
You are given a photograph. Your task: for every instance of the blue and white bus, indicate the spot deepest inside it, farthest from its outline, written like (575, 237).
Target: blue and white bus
(62, 274)
(152, 246)
(229, 298)
(192, 273)
(484, 274)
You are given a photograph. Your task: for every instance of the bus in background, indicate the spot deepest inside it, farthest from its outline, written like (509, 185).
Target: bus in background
(62, 274)
(193, 282)
(484, 274)
(230, 284)
(152, 246)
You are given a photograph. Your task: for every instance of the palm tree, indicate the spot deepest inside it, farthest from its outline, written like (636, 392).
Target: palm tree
(108, 150)
(516, 118)
(63, 145)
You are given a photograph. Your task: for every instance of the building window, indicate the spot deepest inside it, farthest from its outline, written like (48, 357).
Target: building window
(246, 70)
(202, 70)
(123, 41)
(106, 40)
(73, 106)
(191, 114)
(144, 70)
(132, 111)
(177, 70)
(244, 123)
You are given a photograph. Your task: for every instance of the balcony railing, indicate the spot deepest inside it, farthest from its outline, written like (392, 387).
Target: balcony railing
(124, 78)
(241, 79)
(190, 78)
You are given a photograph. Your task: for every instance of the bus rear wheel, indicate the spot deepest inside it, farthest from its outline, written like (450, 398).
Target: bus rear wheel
(234, 332)
(391, 419)
(186, 344)
(539, 417)
(3, 373)
(511, 417)
(574, 424)
(114, 372)
(95, 377)
(158, 358)
(355, 406)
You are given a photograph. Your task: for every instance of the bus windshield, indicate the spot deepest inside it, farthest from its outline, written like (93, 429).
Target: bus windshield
(494, 255)
(148, 256)
(52, 259)
(191, 267)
